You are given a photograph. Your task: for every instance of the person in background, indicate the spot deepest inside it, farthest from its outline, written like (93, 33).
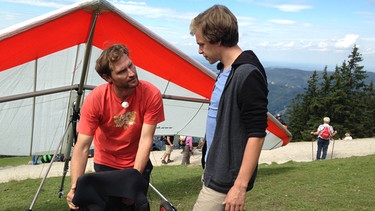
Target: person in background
(121, 117)
(347, 136)
(181, 143)
(237, 113)
(187, 151)
(35, 160)
(278, 117)
(201, 143)
(168, 150)
(323, 141)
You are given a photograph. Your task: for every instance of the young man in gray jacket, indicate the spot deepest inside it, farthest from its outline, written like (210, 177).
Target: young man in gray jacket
(237, 115)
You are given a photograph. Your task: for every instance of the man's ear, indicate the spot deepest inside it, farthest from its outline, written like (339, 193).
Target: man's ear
(107, 78)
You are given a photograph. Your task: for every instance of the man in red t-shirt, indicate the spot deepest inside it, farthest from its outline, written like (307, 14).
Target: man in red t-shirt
(119, 116)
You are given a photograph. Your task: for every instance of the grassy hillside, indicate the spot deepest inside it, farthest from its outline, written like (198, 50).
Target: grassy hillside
(337, 184)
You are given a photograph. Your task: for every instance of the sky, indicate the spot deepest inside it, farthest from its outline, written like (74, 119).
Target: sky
(304, 34)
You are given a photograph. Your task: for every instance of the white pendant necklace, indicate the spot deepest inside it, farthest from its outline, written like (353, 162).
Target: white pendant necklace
(125, 104)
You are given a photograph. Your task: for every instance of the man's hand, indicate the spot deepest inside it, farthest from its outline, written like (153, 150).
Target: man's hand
(69, 198)
(235, 199)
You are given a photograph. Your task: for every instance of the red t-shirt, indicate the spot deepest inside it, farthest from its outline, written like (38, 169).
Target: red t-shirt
(116, 129)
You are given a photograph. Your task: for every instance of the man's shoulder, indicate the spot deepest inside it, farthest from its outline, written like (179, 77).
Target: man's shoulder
(99, 90)
(321, 126)
(148, 87)
(101, 87)
(144, 83)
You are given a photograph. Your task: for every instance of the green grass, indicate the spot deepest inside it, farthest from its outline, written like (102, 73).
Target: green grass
(14, 161)
(337, 184)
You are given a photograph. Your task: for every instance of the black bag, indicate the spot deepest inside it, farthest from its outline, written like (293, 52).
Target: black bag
(46, 158)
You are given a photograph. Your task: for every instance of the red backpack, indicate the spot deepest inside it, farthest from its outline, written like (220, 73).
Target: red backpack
(326, 133)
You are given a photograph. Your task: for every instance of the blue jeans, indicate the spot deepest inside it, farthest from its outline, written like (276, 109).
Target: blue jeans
(35, 159)
(322, 146)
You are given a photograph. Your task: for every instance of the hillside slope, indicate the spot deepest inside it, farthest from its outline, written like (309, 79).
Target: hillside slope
(284, 84)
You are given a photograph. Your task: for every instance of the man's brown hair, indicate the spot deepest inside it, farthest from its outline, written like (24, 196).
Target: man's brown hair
(218, 24)
(108, 57)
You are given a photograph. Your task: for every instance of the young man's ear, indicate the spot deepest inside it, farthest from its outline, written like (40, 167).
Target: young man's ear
(107, 78)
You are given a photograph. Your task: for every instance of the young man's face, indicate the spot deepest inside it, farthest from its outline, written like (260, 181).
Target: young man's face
(124, 74)
(209, 51)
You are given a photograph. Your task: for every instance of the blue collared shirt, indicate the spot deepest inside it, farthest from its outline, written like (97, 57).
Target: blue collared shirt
(213, 107)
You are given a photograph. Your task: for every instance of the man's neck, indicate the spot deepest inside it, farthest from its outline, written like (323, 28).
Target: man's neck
(229, 55)
(123, 93)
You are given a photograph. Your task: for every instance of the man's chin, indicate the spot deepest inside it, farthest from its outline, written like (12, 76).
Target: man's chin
(133, 84)
(210, 61)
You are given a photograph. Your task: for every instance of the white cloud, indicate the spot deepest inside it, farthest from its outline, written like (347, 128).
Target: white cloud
(291, 7)
(245, 21)
(282, 21)
(366, 14)
(348, 41)
(264, 44)
(278, 45)
(5, 15)
(133, 2)
(368, 51)
(305, 44)
(289, 44)
(43, 3)
(146, 11)
(321, 46)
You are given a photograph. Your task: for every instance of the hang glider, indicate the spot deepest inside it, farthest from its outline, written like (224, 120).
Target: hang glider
(47, 66)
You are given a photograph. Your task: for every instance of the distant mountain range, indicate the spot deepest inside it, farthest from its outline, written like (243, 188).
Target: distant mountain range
(284, 84)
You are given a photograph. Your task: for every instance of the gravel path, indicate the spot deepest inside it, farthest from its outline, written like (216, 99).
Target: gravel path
(299, 152)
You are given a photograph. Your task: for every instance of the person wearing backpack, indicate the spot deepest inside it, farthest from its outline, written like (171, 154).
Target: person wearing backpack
(324, 132)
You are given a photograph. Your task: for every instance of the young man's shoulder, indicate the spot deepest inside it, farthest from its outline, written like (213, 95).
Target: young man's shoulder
(148, 87)
(101, 87)
(144, 83)
(99, 90)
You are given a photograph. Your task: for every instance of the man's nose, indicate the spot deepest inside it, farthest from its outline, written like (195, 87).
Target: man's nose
(132, 71)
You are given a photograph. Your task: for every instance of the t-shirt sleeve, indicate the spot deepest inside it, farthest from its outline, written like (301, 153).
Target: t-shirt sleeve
(89, 121)
(155, 110)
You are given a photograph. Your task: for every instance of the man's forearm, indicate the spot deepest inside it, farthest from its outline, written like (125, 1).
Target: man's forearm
(142, 157)
(250, 161)
(77, 165)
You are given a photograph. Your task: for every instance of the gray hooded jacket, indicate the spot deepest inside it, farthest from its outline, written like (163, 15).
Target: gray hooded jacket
(242, 113)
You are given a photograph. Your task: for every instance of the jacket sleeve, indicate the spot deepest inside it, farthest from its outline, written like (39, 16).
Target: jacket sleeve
(253, 104)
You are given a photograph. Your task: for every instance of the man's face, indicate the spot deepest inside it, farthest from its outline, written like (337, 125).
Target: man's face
(209, 51)
(124, 74)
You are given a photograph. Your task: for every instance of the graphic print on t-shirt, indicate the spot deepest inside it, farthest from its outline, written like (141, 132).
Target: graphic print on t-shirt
(125, 120)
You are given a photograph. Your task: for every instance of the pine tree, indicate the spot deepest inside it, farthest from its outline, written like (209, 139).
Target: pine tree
(342, 95)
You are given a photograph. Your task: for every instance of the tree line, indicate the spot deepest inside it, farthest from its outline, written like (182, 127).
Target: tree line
(342, 95)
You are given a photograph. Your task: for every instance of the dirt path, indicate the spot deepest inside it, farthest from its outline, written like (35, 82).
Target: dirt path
(299, 152)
